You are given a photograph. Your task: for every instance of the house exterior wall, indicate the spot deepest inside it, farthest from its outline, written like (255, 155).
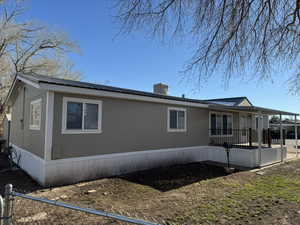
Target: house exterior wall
(128, 126)
(21, 135)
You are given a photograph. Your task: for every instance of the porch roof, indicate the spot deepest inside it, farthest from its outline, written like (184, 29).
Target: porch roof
(252, 109)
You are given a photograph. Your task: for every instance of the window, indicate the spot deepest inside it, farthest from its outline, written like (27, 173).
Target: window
(81, 116)
(220, 124)
(35, 114)
(176, 119)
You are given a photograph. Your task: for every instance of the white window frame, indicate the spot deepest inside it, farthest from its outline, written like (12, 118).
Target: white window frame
(185, 119)
(31, 126)
(220, 113)
(81, 131)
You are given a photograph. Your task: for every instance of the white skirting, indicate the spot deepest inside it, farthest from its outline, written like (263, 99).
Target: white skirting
(32, 164)
(72, 170)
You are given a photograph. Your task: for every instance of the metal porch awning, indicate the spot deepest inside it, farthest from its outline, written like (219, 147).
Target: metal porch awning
(252, 109)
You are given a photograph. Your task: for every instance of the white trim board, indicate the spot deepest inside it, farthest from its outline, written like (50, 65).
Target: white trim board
(26, 81)
(49, 124)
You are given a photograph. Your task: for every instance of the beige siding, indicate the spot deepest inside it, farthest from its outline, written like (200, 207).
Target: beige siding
(128, 126)
(21, 135)
(236, 120)
(245, 103)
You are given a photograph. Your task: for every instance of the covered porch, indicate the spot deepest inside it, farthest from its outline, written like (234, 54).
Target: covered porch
(246, 129)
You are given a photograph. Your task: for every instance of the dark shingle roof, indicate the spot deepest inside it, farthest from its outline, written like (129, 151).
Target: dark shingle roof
(235, 100)
(212, 103)
(292, 122)
(255, 109)
(57, 81)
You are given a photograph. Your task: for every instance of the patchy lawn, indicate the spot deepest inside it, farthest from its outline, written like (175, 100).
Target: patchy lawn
(187, 194)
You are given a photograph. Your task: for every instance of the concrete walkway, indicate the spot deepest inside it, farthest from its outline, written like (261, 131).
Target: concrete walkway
(291, 148)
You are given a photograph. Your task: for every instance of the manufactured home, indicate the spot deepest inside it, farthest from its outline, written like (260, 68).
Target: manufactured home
(65, 131)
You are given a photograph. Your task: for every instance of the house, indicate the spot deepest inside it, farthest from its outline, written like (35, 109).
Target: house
(65, 131)
(288, 126)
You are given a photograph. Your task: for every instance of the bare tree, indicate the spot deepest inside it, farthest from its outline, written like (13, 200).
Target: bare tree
(231, 35)
(26, 47)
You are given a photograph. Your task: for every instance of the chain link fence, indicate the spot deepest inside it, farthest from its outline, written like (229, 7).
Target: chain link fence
(21, 209)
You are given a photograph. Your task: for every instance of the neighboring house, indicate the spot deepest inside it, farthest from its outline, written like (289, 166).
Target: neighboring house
(288, 126)
(68, 131)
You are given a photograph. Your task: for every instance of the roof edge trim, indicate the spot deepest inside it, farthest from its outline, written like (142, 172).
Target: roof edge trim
(24, 80)
(103, 93)
(29, 82)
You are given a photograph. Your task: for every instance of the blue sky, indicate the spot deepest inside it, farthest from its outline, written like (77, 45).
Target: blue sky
(137, 61)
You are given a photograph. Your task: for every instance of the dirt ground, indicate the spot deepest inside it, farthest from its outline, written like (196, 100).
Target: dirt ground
(185, 194)
(21, 181)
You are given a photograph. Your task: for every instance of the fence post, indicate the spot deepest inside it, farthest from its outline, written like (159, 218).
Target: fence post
(7, 204)
(284, 133)
(250, 137)
(1, 210)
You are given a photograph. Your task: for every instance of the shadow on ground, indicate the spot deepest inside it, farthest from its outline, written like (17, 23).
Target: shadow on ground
(173, 177)
(162, 178)
(18, 178)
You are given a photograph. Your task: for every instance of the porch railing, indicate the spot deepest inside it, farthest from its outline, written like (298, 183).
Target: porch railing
(275, 135)
(235, 137)
(244, 138)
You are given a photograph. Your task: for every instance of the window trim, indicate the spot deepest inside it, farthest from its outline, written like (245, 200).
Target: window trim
(168, 120)
(33, 127)
(220, 113)
(81, 131)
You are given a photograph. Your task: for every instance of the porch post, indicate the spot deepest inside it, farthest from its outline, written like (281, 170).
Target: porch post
(296, 136)
(281, 138)
(259, 133)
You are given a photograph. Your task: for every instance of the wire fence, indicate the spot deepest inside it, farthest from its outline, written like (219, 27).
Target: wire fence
(17, 208)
